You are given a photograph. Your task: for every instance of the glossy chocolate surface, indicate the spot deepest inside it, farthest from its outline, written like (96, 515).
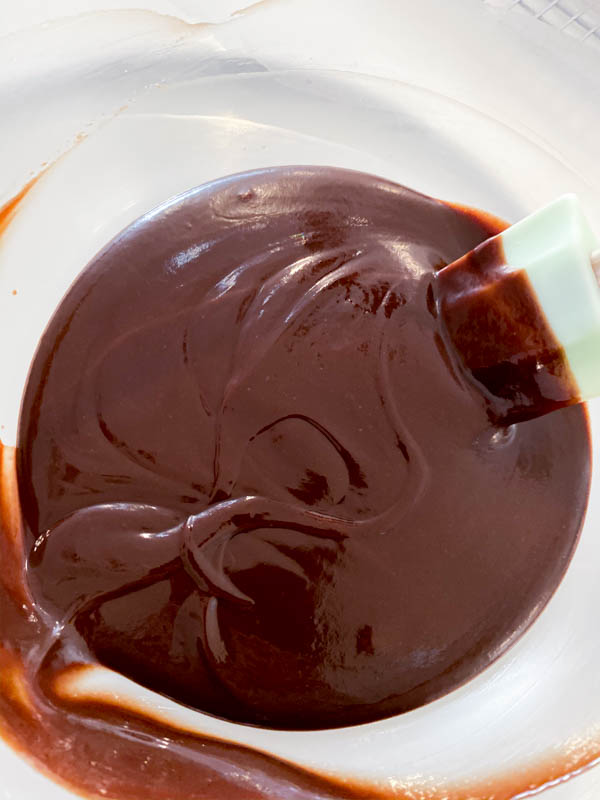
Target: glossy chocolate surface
(253, 479)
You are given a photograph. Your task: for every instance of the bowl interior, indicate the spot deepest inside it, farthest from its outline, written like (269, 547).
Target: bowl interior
(543, 697)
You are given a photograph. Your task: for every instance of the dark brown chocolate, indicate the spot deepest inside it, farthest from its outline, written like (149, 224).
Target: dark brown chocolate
(253, 478)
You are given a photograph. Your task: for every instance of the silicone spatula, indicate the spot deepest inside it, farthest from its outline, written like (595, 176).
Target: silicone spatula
(521, 313)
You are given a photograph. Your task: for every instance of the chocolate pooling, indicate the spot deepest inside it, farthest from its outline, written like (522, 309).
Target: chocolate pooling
(253, 478)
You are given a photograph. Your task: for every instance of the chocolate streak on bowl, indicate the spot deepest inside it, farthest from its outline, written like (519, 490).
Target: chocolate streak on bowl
(9, 209)
(525, 454)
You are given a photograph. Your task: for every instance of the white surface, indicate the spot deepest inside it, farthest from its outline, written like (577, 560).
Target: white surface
(15, 16)
(199, 119)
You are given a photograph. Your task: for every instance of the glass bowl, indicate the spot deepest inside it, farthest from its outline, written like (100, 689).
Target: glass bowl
(139, 108)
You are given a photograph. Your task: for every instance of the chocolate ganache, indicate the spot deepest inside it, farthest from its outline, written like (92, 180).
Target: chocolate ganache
(253, 479)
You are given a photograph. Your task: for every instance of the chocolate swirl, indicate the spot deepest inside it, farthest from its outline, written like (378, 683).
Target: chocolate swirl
(252, 477)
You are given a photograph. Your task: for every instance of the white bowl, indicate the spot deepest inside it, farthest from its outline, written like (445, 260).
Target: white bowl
(129, 109)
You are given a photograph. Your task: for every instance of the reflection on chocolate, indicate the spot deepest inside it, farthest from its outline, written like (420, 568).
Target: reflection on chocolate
(253, 479)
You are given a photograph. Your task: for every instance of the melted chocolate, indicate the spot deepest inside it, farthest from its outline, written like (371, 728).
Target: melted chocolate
(250, 477)
(253, 479)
